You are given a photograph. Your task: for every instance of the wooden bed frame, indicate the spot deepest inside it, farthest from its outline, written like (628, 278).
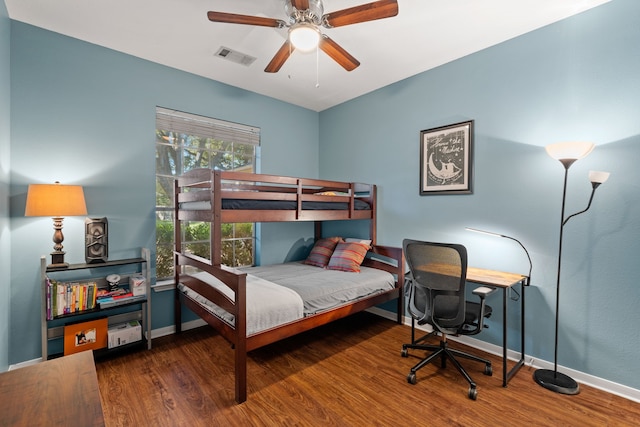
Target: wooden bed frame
(207, 189)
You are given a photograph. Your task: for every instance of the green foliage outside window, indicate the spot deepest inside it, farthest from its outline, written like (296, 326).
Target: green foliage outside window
(176, 154)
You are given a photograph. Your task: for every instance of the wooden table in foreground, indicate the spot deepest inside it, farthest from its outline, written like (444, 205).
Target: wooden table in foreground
(58, 392)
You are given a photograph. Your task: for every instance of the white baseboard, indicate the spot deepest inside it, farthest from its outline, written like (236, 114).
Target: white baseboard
(157, 333)
(581, 377)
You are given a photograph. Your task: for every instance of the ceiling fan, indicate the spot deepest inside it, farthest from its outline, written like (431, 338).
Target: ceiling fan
(305, 19)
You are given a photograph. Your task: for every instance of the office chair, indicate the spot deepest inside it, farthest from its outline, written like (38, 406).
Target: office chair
(436, 296)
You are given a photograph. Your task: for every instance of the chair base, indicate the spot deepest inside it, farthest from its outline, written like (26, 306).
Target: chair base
(443, 352)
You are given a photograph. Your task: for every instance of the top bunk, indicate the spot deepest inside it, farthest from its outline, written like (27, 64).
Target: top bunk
(233, 197)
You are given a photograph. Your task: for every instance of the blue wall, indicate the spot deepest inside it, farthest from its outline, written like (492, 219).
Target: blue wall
(83, 114)
(578, 79)
(5, 259)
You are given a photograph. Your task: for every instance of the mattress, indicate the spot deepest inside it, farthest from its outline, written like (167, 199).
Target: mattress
(322, 289)
(268, 304)
(279, 205)
(281, 293)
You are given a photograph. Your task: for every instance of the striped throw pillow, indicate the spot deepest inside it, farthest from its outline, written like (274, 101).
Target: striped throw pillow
(322, 250)
(348, 256)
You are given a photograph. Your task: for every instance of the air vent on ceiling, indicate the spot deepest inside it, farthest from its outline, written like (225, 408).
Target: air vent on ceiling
(234, 56)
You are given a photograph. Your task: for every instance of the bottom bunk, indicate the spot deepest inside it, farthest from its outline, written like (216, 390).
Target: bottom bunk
(256, 306)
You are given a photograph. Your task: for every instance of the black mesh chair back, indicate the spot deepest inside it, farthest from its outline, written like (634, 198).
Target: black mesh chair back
(439, 273)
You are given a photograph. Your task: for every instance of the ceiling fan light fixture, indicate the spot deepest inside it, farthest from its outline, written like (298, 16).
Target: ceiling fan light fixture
(304, 36)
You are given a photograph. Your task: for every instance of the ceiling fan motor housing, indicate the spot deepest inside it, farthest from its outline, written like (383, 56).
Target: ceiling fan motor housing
(312, 15)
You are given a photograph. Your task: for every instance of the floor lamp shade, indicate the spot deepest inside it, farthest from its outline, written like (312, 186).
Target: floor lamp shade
(568, 152)
(56, 201)
(574, 150)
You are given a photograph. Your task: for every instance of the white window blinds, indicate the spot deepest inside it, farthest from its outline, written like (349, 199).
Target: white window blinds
(192, 124)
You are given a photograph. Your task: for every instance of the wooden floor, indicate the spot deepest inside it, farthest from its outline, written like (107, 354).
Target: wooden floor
(349, 373)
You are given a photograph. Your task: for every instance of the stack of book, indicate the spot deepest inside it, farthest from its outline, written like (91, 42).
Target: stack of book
(66, 298)
(107, 298)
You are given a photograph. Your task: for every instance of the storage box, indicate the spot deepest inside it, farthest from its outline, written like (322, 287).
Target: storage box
(138, 284)
(124, 333)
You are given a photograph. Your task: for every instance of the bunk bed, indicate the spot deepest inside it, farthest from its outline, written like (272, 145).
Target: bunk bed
(252, 307)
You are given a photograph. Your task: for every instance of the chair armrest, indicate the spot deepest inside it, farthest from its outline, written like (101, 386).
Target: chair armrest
(483, 291)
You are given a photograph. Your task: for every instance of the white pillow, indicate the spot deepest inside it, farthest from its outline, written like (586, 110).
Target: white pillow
(354, 240)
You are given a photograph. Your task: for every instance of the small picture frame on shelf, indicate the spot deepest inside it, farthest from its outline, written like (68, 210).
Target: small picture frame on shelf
(446, 159)
(96, 240)
(90, 335)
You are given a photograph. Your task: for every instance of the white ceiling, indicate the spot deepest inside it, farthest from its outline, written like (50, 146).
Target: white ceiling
(424, 35)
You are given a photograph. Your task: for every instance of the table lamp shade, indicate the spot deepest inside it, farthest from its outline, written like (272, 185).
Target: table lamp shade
(55, 200)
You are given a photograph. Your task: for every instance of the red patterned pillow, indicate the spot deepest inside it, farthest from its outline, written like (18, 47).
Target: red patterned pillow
(322, 250)
(348, 256)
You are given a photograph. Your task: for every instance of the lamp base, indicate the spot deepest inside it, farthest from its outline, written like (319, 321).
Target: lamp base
(556, 381)
(57, 260)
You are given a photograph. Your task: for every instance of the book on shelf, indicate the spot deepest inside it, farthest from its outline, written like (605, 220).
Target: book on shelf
(69, 297)
(120, 299)
(75, 297)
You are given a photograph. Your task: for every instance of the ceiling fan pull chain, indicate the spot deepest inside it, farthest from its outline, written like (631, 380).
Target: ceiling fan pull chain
(317, 66)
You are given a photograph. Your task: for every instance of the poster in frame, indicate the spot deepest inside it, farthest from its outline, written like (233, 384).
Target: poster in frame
(446, 159)
(81, 336)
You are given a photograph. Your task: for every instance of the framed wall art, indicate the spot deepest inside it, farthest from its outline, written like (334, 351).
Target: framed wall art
(446, 159)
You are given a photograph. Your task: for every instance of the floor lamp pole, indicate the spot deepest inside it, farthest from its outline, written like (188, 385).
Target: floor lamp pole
(554, 380)
(564, 197)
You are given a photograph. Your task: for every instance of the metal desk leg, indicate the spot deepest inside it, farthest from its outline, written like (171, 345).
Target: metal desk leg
(504, 337)
(507, 376)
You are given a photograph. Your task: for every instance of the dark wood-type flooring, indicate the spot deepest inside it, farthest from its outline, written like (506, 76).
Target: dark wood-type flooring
(349, 373)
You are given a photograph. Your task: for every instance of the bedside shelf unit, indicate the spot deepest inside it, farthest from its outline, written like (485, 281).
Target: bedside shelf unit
(53, 329)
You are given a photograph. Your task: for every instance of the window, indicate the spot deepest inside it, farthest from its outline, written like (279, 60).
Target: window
(184, 142)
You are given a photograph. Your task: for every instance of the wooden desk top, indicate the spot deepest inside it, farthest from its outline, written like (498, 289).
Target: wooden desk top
(58, 392)
(499, 279)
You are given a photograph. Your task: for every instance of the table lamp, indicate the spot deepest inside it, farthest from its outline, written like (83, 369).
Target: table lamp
(56, 201)
(491, 233)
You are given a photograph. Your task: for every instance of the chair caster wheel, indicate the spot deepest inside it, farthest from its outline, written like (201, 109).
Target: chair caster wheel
(404, 352)
(473, 393)
(411, 378)
(488, 370)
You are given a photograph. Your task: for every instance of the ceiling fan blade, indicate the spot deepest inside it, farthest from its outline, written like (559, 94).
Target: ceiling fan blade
(300, 4)
(363, 13)
(233, 18)
(338, 54)
(280, 57)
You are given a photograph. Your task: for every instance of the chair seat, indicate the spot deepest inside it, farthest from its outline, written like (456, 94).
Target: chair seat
(472, 312)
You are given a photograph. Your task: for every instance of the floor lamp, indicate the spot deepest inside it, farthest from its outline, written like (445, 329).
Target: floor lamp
(567, 153)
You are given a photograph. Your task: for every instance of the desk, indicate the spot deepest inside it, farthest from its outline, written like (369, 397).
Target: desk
(500, 279)
(58, 392)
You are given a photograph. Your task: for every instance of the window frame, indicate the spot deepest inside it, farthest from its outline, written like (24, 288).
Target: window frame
(212, 139)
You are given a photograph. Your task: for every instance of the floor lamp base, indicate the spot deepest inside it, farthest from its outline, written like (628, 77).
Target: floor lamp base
(556, 381)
